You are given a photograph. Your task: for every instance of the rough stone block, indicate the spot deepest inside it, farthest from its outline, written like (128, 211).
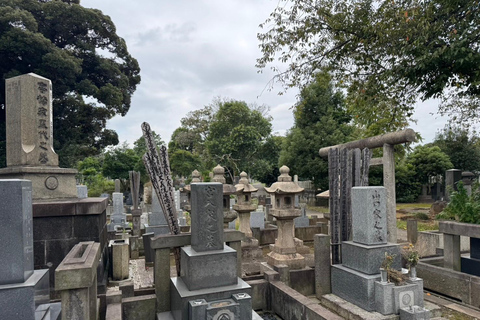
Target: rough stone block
(141, 307)
(208, 269)
(127, 289)
(120, 259)
(384, 297)
(207, 216)
(355, 287)
(369, 215)
(414, 313)
(16, 229)
(368, 259)
(181, 296)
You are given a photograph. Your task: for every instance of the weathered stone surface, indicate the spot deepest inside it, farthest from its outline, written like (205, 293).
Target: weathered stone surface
(322, 265)
(82, 192)
(207, 216)
(257, 219)
(141, 307)
(459, 228)
(29, 121)
(384, 297)
(414, 313)
(368, 259)
(120, 258)
(369, 215)
(16, 230)
(180, 295)
(362, 293)
(208, 269)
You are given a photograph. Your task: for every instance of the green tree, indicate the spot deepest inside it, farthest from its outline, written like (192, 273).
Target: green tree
(265, 168)
(320, 121)
(118, 162)
(407, 186)
(388, 53)
(461, 146)
(236, 134)
(183, 162)
(79, 51)
(90, 170)
(428, 161)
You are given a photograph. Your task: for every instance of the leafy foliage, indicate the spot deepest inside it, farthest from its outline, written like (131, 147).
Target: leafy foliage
(462, 207)
(90, 170)
(118, 162)
(387, 53)
(407, 186)
(236, 134)
(320, 121)
(462, 146)
(428, 161)
(79, 51)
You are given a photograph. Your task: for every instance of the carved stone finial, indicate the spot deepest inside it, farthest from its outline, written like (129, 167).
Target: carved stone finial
(243, 178)
(218, 174)
(195, 176)
(284, 176)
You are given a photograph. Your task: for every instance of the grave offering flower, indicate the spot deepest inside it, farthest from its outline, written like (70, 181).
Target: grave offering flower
(387, 262)
(411, 255)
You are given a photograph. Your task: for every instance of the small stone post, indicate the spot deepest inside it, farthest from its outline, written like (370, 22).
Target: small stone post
(76, 279)
(322, 265)
(412, 231)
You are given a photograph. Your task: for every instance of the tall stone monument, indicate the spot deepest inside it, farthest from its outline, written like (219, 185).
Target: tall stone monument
(228, 214)
(362, 259)
(212, 291)
(119, 217)
(24, 292)
(29, 129)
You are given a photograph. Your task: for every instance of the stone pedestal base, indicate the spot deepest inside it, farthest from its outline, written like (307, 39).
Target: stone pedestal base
(252, 256)
(292, 260)
(181, 296)
(365, 258)
(47, 182)
(28, 300)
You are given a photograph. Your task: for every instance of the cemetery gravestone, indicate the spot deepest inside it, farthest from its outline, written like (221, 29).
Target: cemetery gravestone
(156, 219)
(24, 292)
(29, 137)
(213, 291)
(118, 218)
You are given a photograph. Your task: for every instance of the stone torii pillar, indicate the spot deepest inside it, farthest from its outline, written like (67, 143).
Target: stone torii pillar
(387, 141)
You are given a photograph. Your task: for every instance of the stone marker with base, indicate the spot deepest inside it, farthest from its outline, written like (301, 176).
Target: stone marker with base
(213, 291)
(156, 219)
(24, 292)
(29, 135)
(363, 257)
(118, 219)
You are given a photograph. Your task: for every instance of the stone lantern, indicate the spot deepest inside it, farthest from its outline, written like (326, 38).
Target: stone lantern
(284, 250)
(244, 204)
(195, 178)
(228, 189)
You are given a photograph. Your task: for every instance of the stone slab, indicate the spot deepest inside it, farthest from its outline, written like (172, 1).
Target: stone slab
(369, 215)
(368, 259)
(208, 269)
(21, 300)
(141, 307)
(16, 231)
(301, 222)
(207, 216)
(459, 228)
(47, 182)
(355, 287)
(180, 295)
(257, 219)
(157, 230)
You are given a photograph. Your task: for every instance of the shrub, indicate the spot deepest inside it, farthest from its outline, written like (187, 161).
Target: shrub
(462, 207)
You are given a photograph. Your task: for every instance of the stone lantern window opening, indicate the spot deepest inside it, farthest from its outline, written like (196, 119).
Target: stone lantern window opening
(288, 202)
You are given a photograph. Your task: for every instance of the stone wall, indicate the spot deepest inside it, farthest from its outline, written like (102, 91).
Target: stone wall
(59, 225)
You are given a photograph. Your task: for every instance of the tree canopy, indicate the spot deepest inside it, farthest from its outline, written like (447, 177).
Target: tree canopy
(386, 53)
(93, 75)
(429, 161)
(321, 120)
(462, 147)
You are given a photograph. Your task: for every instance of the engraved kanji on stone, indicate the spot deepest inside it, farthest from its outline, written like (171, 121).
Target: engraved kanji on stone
(42, 111)
(42, 124)
(43, 145)
(43, 100)
(43, 134)
(43, 158)
(42, 87)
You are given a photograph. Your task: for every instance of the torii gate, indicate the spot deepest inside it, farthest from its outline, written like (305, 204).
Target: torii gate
(387, 141)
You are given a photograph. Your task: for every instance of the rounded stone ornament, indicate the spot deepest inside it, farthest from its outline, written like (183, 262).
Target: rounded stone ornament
(51, 183)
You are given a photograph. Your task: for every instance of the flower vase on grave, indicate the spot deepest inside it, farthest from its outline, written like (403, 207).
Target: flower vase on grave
(413, 273)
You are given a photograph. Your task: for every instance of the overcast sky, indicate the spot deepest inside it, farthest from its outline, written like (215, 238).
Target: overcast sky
(193, 51)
